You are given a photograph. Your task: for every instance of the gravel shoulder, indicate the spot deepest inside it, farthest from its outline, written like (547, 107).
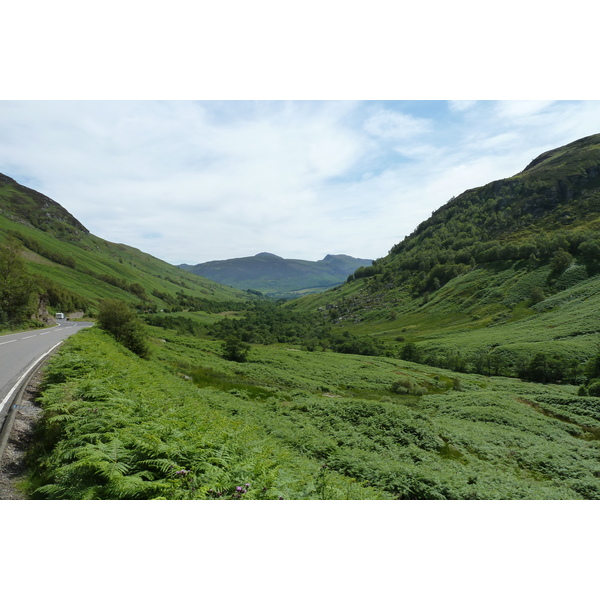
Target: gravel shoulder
(12, 463)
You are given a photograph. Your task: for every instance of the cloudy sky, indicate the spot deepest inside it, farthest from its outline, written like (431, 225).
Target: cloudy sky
(195, 181)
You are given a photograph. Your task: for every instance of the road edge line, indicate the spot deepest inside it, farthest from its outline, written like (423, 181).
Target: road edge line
(6, 426)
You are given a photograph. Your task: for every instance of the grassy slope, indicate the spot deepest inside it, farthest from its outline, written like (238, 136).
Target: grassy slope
(56, 231)
(297, 424)
(273, 275)
(322, 425)
(487, 306)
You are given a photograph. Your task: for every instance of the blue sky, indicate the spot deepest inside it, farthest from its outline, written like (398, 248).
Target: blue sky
(192, 181)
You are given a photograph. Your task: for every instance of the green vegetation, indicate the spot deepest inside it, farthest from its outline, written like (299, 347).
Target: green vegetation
(124, 325)
(236, 350)
(16, 286)
(118, 427)
(295, 424)
(498, 276)
(278, 277)
(64, 268)
(463, 365)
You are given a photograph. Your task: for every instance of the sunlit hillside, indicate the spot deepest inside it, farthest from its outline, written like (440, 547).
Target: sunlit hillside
(74, 269)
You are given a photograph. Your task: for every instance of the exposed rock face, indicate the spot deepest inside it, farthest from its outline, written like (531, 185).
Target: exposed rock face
(34, 208)
(42, 313)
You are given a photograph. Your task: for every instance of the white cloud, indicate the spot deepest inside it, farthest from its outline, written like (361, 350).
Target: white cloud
(391, 124)
(461, 105)
(517, 109)
(197, 181)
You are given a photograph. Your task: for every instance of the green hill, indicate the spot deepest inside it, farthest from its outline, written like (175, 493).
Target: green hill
(497, 274)
(70, 269)
(357, 395)
(276, 276)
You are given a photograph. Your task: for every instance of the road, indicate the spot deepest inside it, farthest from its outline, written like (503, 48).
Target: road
(20, 353)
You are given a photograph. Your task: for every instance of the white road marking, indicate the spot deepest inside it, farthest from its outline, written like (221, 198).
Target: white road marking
(27, 337)
(29, 369)
(9, 342)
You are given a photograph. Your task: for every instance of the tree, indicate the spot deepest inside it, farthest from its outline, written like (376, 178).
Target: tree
(560, 261)
(536, 295)
(236, 350)
(124, 325)
(17, 289)
(544, 368)
(410, 352)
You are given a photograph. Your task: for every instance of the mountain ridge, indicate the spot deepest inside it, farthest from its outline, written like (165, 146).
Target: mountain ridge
(502, 271)
(21, 200)
(69, 269)
(271, 274)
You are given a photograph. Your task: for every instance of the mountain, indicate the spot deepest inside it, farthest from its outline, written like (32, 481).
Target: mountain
(71, 269)
(499, 273)
(274, 275)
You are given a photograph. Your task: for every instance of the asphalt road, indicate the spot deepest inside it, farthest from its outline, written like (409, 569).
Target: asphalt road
(20, 353)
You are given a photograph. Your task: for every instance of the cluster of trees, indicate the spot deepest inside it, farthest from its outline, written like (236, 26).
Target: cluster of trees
(483, 362)
(59, 297)
(184, 325)
(134, 288)
(21, 294)
(551, 368)
(543, 367)
(591, 385)
(18, 290)
(474, 230)
(429, 263)
(181, 302)
(268, 323)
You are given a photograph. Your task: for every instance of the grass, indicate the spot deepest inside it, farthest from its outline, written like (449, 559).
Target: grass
(94, 257)
(302, 425)
(485, 310)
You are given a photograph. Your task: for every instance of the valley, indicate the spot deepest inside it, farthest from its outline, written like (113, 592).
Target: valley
(465, 364)
(278, 277)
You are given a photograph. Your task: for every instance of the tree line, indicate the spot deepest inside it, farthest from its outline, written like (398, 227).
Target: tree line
(22, 295)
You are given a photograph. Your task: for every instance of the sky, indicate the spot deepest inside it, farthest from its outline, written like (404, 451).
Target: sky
(194, 181)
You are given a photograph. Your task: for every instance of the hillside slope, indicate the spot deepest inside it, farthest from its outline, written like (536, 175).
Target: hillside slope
(73, 269)
(272, 274)
(503, 270)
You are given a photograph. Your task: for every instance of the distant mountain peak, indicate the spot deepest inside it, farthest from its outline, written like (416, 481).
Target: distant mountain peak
(268, 273)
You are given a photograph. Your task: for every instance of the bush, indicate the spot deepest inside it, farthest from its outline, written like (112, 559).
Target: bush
(537, 295)
(594, 388)
(408, 386)
(410, 352)
(236, 350)
(123, 324)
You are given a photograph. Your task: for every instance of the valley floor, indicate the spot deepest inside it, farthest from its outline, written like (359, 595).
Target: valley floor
(294, 424)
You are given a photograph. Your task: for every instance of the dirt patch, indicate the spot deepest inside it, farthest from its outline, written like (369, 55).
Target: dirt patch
(12, 462)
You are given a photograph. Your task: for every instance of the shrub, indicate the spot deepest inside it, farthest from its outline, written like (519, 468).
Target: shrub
(123, 324)
(236, 350)
(411, 352)
(408, 386)
(537, 295)
(560, 261)
(594, 387)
